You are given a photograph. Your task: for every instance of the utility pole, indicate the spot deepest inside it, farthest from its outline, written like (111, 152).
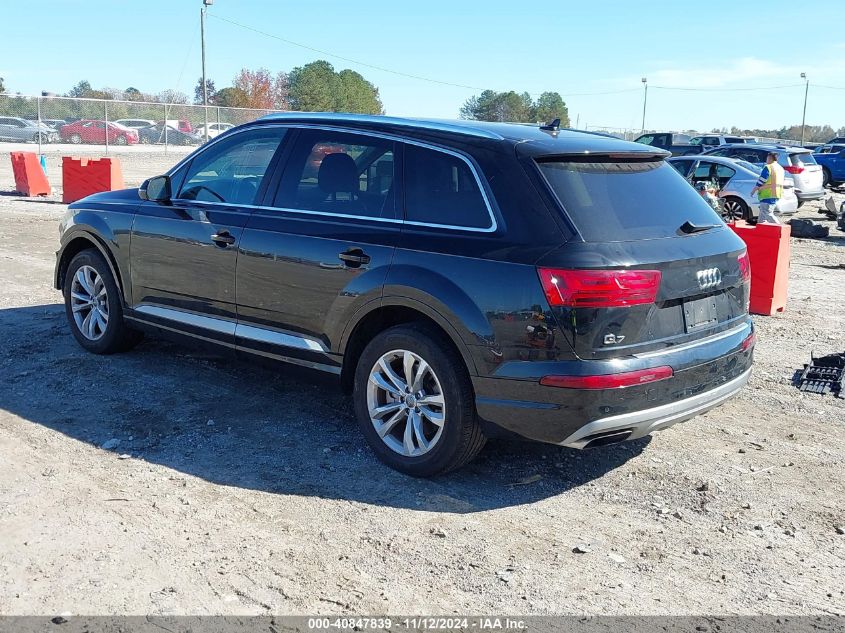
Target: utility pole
(804, 116)
(645, 101)
(203, 9)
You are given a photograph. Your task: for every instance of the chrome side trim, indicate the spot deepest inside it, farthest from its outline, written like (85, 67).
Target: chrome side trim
(181, 331)
(702, 341)
(233, 328)
(390, 137)
(273, 337)
(650, 420)
(214, 324)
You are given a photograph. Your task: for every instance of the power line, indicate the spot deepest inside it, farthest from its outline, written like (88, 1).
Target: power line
(346, 59)
(726, 89)
(390, 70)
(828, 87)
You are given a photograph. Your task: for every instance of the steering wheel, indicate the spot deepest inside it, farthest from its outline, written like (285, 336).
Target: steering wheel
(197, 188)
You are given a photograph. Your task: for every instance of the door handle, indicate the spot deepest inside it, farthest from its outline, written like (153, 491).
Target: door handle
(354, 257)
(223, 238)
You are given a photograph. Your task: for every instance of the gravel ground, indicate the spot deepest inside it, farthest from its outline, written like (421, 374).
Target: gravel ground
(168, 481)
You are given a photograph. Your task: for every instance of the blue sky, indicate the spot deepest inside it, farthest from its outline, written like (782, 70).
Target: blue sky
(600, 46)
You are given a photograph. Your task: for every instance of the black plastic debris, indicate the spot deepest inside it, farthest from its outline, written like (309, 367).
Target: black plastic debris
(825, 374)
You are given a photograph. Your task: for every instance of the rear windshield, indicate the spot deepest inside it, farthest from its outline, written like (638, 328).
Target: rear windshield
(802, 159)
(619, 201)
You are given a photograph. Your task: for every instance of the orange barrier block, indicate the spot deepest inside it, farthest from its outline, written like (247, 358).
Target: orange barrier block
(83, 176)
(30, 179)
(768, 250)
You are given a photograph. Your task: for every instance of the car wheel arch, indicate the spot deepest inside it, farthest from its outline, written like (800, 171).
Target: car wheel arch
(80, 241)
(377, 316)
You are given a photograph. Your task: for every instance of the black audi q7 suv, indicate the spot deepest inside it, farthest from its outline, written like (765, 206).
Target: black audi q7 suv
(462, 279)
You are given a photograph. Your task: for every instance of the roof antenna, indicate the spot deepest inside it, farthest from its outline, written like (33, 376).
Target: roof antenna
(554, 126)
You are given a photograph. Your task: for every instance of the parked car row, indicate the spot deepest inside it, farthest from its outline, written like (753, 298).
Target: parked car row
(683, 145)
(118, 132)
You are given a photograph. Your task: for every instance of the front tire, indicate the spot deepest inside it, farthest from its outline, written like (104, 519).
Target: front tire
(414, 402)
(75, 139)
(120, 140)
(94, 307)
(826, 179)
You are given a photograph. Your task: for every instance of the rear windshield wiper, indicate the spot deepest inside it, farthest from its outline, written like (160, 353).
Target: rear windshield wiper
(689, 227)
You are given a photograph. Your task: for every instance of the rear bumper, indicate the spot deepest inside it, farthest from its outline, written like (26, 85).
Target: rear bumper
(631, 426)
(705, 375)
(805, 196)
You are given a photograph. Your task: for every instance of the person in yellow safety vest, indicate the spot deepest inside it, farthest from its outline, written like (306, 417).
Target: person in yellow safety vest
(769, 189)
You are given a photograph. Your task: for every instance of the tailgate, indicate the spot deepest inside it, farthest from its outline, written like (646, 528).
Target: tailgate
(702, 291)
(665, 268)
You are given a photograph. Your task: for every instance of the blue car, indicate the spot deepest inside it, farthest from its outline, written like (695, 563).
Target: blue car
(832, 159)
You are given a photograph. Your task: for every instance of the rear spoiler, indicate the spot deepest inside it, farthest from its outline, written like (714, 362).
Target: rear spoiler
(604, 157)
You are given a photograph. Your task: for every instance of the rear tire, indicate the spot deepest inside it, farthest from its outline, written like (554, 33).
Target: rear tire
(407, 436)
(75, 139)
(94, 306)
(736, 209)
(827, 181)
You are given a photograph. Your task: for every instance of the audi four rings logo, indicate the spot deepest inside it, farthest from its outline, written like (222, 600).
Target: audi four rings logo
(709, 278)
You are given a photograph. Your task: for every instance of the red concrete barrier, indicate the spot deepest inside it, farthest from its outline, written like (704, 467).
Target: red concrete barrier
(768, 251)
(83, 176)
(30, 179)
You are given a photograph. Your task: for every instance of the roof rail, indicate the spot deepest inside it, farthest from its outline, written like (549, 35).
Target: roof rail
(424, 124)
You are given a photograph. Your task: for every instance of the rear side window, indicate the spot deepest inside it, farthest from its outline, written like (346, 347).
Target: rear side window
(339, 173)
(799, 160)
(441, 189)
(617, 201)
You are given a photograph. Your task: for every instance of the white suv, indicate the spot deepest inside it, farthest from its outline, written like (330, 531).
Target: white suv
(796, 161)
(214, 130)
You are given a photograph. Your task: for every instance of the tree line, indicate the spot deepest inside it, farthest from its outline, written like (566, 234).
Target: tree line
(812, 133)
(516, 108)
(312, 87)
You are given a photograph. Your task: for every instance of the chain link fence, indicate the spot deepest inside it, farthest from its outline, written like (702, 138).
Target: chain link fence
(110, 123)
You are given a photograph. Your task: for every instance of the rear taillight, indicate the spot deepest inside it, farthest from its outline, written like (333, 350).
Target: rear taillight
(793, 169)
(599, 288)
(749, 342)
(744, 267)
(609, 381)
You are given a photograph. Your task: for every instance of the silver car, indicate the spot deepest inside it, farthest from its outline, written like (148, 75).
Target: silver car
(13, 128)
(798, 162)
(735, 180)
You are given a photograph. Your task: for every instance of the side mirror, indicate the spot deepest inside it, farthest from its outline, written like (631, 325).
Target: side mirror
(156, 189)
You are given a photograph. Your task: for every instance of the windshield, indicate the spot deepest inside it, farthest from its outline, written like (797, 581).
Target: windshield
(618, 201)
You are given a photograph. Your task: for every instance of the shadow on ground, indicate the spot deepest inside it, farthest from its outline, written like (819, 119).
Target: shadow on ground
(231, 423)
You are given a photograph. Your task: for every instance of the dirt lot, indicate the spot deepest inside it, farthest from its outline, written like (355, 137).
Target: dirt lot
(231, 489)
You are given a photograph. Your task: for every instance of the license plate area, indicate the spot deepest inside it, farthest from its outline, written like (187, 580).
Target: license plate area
(700, 313)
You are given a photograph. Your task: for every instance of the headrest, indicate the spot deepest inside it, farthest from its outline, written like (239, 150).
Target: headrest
(338, 173)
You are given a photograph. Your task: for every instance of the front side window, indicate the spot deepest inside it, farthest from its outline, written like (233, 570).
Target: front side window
(339, 173)
(440, 188)
(231, 171)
